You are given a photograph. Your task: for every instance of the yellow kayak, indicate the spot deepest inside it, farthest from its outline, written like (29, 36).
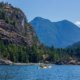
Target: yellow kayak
(45, 66)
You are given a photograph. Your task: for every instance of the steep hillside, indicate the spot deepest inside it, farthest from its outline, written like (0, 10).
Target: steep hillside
(14, 27)
(58, 34)
(17, 37)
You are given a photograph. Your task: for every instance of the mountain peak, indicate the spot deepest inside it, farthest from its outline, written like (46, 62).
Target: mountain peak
(64, 21)
(40, 19)
(58, 34)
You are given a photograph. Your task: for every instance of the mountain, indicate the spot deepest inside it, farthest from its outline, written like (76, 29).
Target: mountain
(58, 34)
(14, 27)
(75, 45)
(18, 41)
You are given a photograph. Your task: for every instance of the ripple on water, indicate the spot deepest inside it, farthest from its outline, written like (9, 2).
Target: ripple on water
(57, 72)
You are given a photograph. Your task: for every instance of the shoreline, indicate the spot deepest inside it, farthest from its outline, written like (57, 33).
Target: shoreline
(20, 64)
(8, 62)
(29, 64)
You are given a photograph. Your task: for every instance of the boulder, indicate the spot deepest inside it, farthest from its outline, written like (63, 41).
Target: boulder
(5, 62)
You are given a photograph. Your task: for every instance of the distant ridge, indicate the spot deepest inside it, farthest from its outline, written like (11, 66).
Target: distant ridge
(58, 34)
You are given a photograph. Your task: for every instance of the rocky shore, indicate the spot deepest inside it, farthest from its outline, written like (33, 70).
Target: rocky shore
(8, 62)
(5, 62)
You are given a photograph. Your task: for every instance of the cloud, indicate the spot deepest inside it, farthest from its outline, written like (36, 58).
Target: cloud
(77, 23)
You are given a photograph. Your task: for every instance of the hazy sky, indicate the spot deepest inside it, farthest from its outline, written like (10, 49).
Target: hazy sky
(55, 10)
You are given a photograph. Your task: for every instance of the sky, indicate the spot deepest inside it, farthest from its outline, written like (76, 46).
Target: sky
(54, 10)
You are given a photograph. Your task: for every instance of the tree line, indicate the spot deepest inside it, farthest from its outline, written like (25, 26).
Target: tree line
(35, 54)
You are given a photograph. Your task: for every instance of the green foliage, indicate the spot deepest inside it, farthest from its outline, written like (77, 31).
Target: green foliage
(26, 54)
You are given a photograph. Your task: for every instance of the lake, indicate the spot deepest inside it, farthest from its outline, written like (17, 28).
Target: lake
(33, 72)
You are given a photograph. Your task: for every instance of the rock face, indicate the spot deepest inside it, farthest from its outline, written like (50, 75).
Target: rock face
(58, 34)
(14, 27)
(5, 62)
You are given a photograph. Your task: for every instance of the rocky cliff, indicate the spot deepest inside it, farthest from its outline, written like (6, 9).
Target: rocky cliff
(14, 27)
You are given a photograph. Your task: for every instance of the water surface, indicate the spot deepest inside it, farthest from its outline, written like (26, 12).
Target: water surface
(57, 72)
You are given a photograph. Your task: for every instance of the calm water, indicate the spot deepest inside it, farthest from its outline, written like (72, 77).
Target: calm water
(35, 73)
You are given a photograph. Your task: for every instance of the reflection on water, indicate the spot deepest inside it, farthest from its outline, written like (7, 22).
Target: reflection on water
(35, 73)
